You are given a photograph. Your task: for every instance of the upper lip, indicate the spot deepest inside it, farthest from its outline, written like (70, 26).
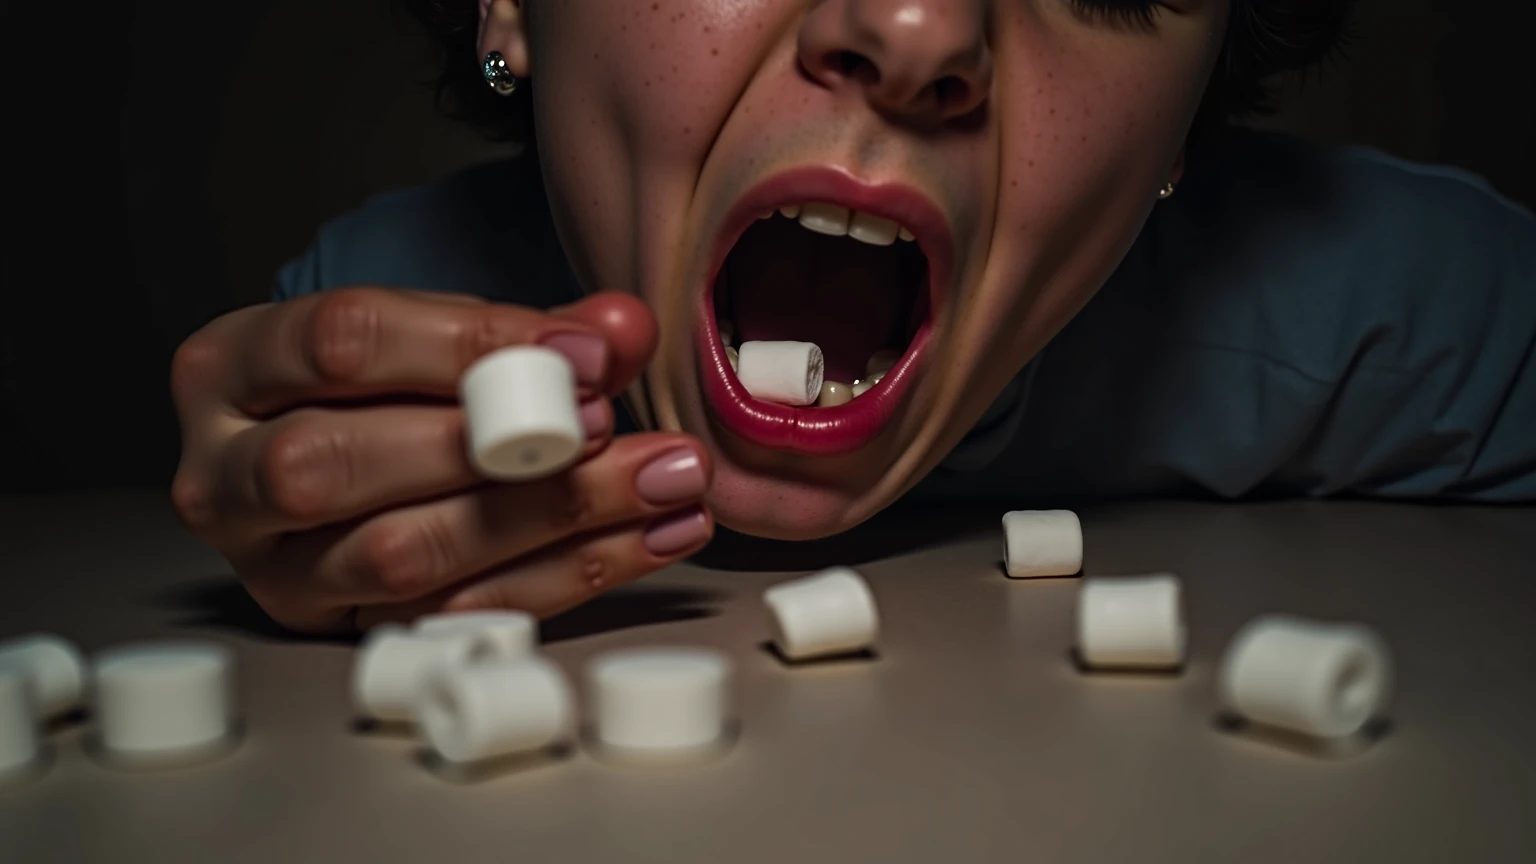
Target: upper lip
(822, 431)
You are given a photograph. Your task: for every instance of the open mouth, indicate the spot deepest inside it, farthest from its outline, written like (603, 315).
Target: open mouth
(816, 256)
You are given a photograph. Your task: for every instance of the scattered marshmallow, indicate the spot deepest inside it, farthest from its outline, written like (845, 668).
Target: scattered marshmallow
(164, 700)
(393, 664)
(659, 703)
(788, 373)
(1042, 543)
(517, 633)
(521, 413)
(472, 714)
(830, 613)
(56, 667)
(1319, 679)
(20, 741)
(1131, 622)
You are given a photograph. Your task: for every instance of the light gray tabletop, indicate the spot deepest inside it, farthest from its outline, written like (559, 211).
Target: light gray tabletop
(971, 737)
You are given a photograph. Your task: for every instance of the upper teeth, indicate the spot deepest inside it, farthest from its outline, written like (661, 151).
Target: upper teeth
(842, 222)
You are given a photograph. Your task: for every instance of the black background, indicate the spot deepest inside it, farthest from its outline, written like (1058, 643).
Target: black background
(165, 157)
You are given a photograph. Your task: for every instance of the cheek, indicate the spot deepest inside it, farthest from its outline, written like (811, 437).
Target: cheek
(628, 96)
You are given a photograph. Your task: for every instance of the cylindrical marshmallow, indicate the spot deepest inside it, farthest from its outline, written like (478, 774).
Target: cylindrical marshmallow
(474, 713)
(1320, 679)
(1042, 543)
(20, 742)
(393, 664)
(517, 632)
(164, 700)
(788, 373)
(659, 703)
(57, 669)
(521, 413)
(1131, 622)
(832, 612)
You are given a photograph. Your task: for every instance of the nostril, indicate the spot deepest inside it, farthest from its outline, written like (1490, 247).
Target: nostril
(855, 66)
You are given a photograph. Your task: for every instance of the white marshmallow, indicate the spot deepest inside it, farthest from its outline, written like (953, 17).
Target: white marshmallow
(474, 713)
(521, 413)
(659, 703)
(517, 633)
(1319, 679)
(1042, 543)
(832, 612)
(20, 741)
(57, 669)
(789, 373)
(165, 700)
(1131, 622)
(393, 664)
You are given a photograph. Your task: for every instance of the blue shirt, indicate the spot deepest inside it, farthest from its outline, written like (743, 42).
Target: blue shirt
(1297, 320)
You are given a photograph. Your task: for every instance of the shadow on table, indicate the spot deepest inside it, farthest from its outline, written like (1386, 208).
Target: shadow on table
(893, 532)
(631, 606)
(222, 604)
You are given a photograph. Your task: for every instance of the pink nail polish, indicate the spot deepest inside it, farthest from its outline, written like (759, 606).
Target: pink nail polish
(671, 535)
(588, 355)
(594, 418)
(671, 478)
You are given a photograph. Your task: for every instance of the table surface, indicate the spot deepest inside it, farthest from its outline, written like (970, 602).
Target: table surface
(971, 737)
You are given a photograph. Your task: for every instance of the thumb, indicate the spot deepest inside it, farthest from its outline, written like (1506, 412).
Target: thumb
(628, 326)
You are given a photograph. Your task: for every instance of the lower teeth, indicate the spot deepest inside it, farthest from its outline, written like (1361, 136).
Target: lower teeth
(767, 373)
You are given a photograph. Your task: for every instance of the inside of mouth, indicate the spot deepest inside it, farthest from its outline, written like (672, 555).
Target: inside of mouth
(786, 282)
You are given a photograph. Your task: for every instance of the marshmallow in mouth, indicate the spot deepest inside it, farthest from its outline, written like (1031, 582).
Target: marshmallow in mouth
(850, 283)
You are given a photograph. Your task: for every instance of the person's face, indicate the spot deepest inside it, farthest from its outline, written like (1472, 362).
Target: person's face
(1021, 142)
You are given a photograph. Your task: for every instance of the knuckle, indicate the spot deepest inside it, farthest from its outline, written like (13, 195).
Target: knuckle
(195, 363)
(406, 559)
(343, 335)
(192, 500)
(297, 471)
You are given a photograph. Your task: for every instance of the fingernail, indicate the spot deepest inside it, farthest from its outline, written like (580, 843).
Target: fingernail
(670, 535)
(674, 476)
(588, 355)
(594, 418)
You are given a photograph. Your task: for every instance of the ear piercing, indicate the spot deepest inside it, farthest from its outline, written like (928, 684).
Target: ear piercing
(498, 75)
(1162, 194)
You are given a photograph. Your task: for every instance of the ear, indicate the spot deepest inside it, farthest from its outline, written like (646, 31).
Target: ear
(503, 28)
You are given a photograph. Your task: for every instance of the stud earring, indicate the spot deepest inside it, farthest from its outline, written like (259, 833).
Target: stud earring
(498, 75)
(1166, 192)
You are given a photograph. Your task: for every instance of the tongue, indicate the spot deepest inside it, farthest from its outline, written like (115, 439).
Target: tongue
(784, 282)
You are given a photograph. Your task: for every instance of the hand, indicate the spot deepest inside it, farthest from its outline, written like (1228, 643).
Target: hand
(323, 455)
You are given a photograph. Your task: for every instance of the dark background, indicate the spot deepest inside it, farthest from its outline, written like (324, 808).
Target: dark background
(165, 157)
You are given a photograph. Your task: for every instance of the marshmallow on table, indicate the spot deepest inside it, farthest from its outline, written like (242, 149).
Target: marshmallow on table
(20, 744)
(1131, 622)
(521, 413)
(517, 632)
(659, 704)
(832, 612)
(1042, 543)
(1319, 679)
(56, 667)
(394, 663)
(164, 700)
(476, 713)
(788, 373)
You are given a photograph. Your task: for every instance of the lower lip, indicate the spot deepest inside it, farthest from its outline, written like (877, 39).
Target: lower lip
(809, 431)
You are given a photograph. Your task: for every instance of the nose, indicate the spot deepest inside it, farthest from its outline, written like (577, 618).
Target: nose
(924, 60)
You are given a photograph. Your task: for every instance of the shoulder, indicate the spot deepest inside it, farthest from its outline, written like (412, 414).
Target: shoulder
(484, 230)
(1305, 251)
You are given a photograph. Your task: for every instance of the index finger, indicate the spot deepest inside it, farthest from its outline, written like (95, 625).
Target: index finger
(355, 343)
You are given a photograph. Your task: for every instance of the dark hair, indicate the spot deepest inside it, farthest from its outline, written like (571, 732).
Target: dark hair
(1265, 38)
